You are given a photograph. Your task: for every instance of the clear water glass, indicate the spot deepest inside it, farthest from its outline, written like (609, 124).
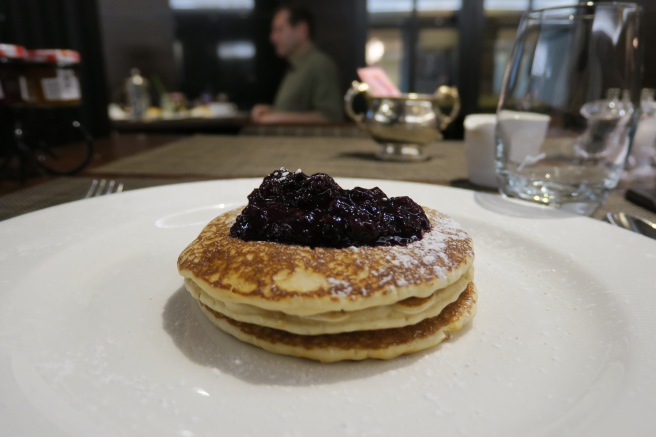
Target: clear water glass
(569, 104)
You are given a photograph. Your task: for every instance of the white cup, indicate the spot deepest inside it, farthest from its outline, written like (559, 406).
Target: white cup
(643, 151)
(480, 149)
(525, 133)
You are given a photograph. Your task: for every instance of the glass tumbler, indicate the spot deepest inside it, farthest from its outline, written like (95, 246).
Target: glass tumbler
(569, 104)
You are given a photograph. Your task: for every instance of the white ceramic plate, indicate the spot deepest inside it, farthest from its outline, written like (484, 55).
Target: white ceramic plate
(98, 336)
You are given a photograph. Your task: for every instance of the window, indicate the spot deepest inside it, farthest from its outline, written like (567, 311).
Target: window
(414, 41)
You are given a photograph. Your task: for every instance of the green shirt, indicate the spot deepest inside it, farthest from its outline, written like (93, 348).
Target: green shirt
(311, 85)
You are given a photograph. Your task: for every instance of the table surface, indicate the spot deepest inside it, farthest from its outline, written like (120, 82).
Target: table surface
(220, 157)
(206, 157)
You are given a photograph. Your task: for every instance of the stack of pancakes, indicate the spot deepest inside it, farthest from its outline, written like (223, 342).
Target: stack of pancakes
(332, 304)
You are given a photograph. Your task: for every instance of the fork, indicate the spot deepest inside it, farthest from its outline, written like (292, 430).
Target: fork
(103, 187)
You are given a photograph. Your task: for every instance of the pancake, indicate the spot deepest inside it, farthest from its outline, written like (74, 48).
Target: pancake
(358, 345)
(402, 313)
(302, 281)
(333, 304)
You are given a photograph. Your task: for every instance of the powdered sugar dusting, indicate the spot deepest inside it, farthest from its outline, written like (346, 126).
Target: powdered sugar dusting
(433, 255)
(434, 258)
(340, 288)
(401, 282)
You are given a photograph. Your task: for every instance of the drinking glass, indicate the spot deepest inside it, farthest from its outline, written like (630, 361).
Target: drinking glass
(568, 104)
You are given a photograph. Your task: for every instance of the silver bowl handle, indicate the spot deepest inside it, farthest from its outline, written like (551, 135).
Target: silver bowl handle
(356, 88)
(448, 93)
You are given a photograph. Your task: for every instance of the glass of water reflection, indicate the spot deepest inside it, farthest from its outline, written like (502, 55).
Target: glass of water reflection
(569, 104)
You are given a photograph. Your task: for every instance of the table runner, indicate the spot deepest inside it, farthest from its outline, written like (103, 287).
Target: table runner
(255, 156)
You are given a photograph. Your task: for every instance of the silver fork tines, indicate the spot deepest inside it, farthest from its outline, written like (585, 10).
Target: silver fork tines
(103, 187)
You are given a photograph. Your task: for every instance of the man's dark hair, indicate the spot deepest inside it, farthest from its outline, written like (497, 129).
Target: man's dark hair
(299, 14)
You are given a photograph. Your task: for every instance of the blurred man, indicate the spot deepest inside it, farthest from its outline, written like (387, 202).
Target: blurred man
(309, 92)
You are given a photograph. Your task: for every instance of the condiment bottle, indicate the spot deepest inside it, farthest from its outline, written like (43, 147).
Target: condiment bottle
(136, 88)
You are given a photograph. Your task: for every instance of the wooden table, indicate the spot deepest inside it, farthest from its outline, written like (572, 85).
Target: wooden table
(206, 157)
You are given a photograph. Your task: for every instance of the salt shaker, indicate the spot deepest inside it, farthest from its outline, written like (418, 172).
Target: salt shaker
(136, 88)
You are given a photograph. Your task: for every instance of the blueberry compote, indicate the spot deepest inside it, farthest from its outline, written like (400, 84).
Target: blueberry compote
(292, 207)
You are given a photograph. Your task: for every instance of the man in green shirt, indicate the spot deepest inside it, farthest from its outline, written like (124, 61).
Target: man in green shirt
(309, 92)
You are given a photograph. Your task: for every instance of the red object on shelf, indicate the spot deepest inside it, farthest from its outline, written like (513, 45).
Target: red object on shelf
(12, 51)
(59, 56)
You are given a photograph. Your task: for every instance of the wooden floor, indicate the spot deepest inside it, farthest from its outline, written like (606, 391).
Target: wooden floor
(106, 150)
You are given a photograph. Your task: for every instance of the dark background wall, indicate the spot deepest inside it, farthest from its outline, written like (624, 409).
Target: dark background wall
(649, 42)
(136, 34)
